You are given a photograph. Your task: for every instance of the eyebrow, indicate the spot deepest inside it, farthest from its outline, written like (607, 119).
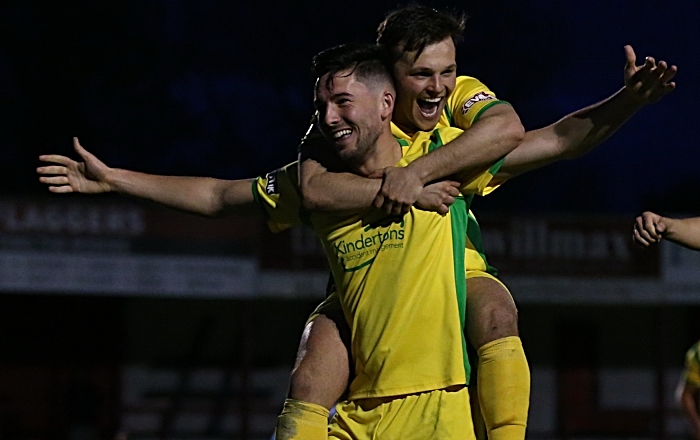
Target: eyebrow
(318, 102)
(428, 69)
(343, 94)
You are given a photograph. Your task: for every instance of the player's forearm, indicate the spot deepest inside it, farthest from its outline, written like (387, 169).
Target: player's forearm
(198, 195)
(328, 191)
(685, 232)
(496, 134)
(572, 136)
(585, 129)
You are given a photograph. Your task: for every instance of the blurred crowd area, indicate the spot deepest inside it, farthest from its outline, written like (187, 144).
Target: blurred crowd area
(222, 88)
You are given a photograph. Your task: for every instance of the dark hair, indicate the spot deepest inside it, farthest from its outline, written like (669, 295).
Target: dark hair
(414, 27)
(368, 62)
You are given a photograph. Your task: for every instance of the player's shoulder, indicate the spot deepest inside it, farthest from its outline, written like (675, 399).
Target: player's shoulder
(423, 142)
(291, 169)
(281, 180)
(693, 353)
(466, 101)
(469, 84)
(465, 80)
(695, 348)
(444, 134)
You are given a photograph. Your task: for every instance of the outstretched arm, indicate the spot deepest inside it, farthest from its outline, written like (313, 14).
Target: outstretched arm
(650, 228)
(199, 195)
(581, 131)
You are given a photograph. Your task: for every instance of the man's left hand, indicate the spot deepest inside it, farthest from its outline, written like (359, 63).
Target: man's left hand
(649, 82)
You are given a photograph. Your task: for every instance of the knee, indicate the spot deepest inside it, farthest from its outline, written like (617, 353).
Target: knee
(301, 384)
(503, 318)
(324, 388)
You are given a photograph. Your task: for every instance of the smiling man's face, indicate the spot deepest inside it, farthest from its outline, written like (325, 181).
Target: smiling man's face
(350, 115)
(423, 85)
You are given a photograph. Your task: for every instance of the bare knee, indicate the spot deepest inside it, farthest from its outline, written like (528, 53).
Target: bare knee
(492, 314)
(321, 370)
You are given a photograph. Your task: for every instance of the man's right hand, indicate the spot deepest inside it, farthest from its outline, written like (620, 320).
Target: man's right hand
(438, 197)
(648, 229)
(88, 176)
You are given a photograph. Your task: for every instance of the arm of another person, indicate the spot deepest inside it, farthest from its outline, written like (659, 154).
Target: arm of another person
(324, 190)
(324, 184)
(496, 133)
(583, 130)
(650, 228)
(199, 195)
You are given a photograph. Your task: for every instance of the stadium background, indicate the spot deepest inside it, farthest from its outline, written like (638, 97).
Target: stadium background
(124, 317)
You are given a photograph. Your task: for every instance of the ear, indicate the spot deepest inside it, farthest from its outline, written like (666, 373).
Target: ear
(388, 99)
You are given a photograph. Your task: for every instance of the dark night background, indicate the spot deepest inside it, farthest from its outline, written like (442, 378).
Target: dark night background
(221, 88)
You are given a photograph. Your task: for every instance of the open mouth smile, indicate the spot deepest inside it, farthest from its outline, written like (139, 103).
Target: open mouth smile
(429, 107)
(341, 134)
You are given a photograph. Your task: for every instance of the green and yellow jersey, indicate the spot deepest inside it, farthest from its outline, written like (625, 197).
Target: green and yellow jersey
(401, 282)
(280, 195)
(467, 102)
(692, 366)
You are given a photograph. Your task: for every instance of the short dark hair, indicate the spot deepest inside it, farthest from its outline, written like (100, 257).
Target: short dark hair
(368, 62)
(414, 27)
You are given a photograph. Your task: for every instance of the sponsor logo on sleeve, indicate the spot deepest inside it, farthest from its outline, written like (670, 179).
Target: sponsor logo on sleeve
(271, 185)
(479, 97)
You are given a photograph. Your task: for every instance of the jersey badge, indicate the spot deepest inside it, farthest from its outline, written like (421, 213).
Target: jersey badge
(479, 97)
(271, 185)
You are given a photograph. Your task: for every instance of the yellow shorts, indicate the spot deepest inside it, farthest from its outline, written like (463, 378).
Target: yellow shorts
(439, 415)
(331, 305)
(481, 274)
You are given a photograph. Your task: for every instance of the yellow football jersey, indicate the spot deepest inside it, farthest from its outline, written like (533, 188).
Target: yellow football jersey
(401, 283)
(279, 194)
(692, 366)
(467, 102)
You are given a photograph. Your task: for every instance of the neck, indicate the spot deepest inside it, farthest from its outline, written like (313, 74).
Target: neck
(386, 153)
(408, 129)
